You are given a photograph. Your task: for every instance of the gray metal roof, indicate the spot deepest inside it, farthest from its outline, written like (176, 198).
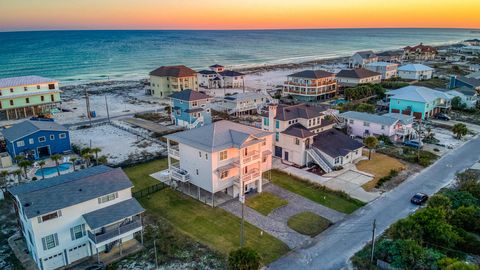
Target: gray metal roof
(305, 111)
(417, 93)
(28, 127)
(312, 74)
(218, 136)
(189, 95)
(298, 131)
(358, 73)
(44, 196)
(335, 144)
(386, 119)
(24, 80)
(113, 213)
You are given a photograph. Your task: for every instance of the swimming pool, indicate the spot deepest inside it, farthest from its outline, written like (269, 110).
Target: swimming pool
(51, 170)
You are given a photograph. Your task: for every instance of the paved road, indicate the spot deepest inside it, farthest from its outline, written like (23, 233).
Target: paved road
(333, 248)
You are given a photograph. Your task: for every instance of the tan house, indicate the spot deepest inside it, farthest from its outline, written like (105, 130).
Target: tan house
(168, 79)
(419, 53)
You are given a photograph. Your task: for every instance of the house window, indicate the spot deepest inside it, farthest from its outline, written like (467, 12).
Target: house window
(38, 86)
(196, 171)
(264, 159)
(200, 154)
(366, 124)
(297, 141)
(51, 86)
(11, 90)
(30, 141)
(77, 232)
(52, 98)
(277, 136)
(277, 124)
(350, 121)
(223, 155)
(224, 174)
(50, 216)
(62, 135)
(264, 143)
(20, 143)
(194, 104)
(42, 139)
(108, 197)
(11, 102)
(337, 159)
(52, 137)
(25, 88)
(50, 241)
(383, 127)
(42, 98)
(27, 100)
(265, 121)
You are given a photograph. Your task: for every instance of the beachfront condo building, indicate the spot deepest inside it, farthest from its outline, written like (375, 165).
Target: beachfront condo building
(166, 80)
(218, 161)
(310, 85)
(360, 59)
(304, 136)
(419, 52)
(386, 69)
(419, 102)
(190, 109)
(22, 97)
(67, 218)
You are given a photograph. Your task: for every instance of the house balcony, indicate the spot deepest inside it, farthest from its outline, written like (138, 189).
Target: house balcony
(252, 156)
(251, 176)
(178, 174)
(113, 234)
(324, 83)
(174, 152)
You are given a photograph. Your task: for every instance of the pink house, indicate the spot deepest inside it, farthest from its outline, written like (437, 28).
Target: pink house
(396, 126)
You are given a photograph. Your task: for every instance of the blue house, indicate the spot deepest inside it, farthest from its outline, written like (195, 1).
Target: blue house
(190, 109)
(36, 139)
(419, 102)
(464, 81)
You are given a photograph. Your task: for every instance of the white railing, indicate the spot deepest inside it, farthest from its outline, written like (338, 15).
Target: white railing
(319, 160)
(251, 176)
(196, 123)
(179, 174)
(174, 152)
(252, 156)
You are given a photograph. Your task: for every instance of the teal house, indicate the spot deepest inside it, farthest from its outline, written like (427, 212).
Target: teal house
(190, 109)
(419, 102)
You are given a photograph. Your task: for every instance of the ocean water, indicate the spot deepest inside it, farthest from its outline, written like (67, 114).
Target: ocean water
(84, 56)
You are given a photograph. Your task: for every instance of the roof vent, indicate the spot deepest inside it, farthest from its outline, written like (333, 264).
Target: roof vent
(80, 190)
(27, 204)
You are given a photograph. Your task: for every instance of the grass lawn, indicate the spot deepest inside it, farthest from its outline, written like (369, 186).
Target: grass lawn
(213, 227)
(265, 202)
(380, 166)
(140, 174)
(308, 223)
(322, 195)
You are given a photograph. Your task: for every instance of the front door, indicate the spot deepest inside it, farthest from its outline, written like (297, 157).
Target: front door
(286, 156)
(278, 151)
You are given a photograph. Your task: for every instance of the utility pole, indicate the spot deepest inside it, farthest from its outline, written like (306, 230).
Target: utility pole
(242, 201)
(87, 101)
(155, 250)
(106, 105)
(373, 240)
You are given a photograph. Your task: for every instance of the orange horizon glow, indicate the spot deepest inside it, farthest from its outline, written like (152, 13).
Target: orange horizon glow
(235, 15)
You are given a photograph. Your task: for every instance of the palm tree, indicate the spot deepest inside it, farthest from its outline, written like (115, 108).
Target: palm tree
(460, 130)
(3, 180)
(371, 142)
(86, 154)
(25, 164)
(56, 158)
(41, 163)
(73, 159)
(96, 150)
(18, 173)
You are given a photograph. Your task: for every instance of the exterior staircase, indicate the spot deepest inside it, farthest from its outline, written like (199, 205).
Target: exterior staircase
(197, 122)
(317, 157)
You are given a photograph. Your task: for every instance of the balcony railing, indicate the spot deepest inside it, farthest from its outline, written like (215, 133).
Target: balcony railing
(179, 174)
(112, 233)
(174, 152)
(252, 156)
(311, 84)
(251, 176)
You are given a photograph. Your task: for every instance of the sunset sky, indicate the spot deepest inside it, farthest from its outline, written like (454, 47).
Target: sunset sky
(236, 14)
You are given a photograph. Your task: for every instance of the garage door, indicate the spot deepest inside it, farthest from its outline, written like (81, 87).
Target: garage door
(77, 253)
(53, 262)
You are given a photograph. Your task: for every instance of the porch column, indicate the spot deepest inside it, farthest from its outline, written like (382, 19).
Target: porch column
(98, 255)
(198, 190)
(120, 247)
(141, 231)
(259, 186)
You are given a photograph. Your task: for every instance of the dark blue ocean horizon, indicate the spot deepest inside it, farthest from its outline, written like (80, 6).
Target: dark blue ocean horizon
(77, 56)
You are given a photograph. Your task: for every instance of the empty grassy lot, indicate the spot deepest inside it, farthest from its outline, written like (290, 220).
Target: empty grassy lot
(380, 166)
(333, 199)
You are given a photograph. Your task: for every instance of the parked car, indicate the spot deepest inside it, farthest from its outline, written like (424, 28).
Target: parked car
(419, 198)
(414, 144)
(442, 116)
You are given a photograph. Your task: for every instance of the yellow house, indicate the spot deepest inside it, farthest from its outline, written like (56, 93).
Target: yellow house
(168, 79)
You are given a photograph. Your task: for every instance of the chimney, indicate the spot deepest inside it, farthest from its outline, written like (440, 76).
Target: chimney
(272, 113)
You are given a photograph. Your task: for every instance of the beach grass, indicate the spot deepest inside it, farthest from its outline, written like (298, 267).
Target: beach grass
(265, 202)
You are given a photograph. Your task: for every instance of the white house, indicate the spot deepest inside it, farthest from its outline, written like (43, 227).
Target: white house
(468, 96)
(221, 159)
(219, 77)
(296, 128)
(69, 217)
(388, 70)
(397, 127)
(360, 59)
(246, 103)
(354, 77)
(415, 72)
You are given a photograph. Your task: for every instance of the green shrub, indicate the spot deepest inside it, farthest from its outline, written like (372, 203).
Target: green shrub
(467, 218)
(460, 198)
(441, 201)
(244, 258)
(461, 266)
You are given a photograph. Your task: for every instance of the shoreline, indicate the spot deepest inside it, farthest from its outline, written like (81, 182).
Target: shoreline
(253, 69)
